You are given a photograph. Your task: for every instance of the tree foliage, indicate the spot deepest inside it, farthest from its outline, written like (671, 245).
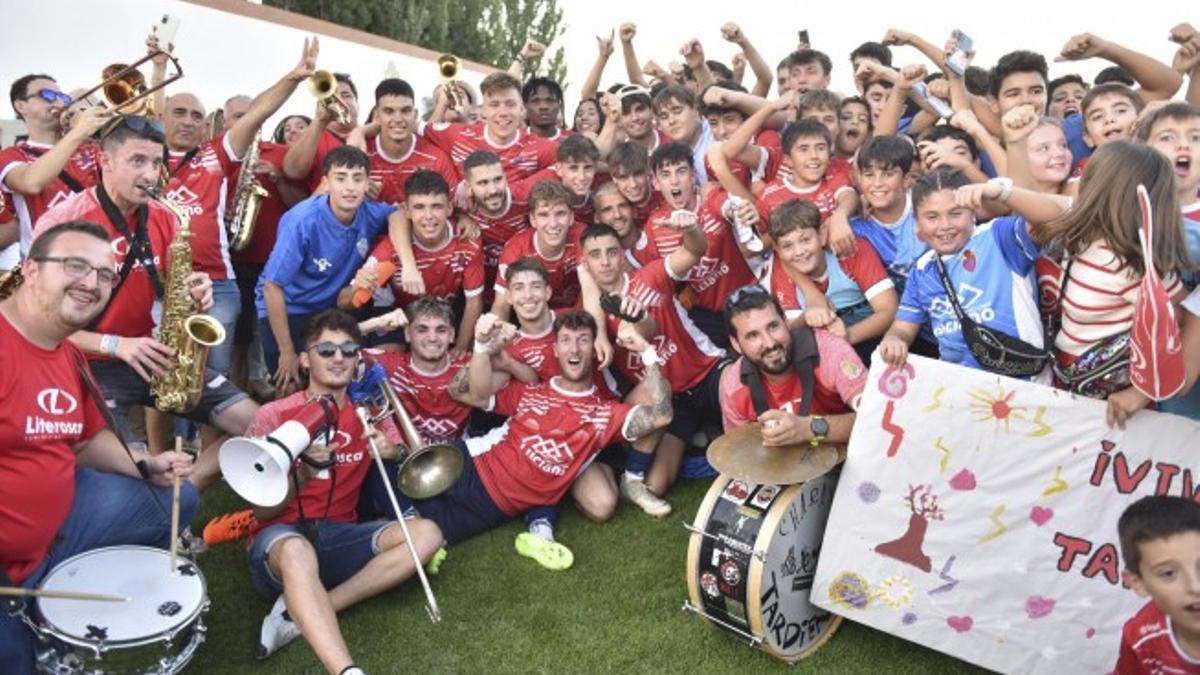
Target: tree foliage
(486, 31)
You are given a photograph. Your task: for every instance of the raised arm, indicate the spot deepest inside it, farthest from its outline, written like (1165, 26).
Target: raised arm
(243, 132)
(681, 261)
(632, 69)
(299, 158)
(591, 85)
(693, 52)
(32, 178)
(1187, 59)
(1158, 81)
(763, 77)
(475, 385)
(897, 37)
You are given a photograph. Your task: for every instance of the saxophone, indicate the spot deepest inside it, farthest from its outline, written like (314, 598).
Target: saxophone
(191, 335)
(248, 197)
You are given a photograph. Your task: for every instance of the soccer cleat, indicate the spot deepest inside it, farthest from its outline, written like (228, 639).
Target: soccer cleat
(635, 490)
(228, 527)
(277, 630)
(549, 554)
(435, 563)
(189, 544)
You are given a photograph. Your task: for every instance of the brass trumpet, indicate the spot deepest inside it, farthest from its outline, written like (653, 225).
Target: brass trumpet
(323, 86)
(125, 88)
(448, 67)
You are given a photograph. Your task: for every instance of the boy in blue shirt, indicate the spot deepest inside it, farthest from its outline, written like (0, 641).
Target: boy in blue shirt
(884, 165)
(322, 242)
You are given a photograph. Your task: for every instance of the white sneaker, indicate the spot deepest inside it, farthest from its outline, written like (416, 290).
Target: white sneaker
(635, 490)
(277, 630)
(189, 544)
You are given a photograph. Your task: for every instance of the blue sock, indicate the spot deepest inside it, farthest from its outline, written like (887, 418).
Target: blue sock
(637, 463)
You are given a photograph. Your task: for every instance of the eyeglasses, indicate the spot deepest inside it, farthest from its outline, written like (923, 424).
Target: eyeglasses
(746, 292)
(78, 268)
(326, 350)
(150, 129)
(51, 96)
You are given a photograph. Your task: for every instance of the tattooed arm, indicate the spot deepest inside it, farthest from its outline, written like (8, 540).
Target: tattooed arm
(654, 388)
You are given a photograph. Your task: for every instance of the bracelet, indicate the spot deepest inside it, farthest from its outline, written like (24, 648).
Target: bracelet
(650, 357)
(109, 343)
(520, 58)
(482, 347)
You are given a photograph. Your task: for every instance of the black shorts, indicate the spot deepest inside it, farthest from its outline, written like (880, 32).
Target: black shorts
(124, 388)
(692, 408)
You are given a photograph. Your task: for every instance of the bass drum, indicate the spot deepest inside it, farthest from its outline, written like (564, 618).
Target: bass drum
(751, 560)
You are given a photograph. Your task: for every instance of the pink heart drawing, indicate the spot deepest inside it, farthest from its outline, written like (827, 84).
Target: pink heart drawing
(963, 480)
(1037, 606)
(1090, 633)
(961, 624)
(1040, 515)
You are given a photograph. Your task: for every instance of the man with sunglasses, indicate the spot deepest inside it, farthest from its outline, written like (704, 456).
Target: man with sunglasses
(309, 553)
(66, 484)
(802, 385)
(40, 172)
(119, 342)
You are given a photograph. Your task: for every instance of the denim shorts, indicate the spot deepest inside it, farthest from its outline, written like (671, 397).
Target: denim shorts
(342, 550)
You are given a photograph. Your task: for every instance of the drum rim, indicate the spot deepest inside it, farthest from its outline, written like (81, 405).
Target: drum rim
(695, 540)
(755, 577)
(195, 618)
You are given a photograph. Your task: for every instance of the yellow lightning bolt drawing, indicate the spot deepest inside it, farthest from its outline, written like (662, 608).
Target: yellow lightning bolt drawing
(1000, 528)
(1043, 428)
(1057, 484)
(937, 400)
(945, 455)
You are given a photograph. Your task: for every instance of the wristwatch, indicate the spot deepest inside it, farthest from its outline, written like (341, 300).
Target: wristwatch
(820, 429)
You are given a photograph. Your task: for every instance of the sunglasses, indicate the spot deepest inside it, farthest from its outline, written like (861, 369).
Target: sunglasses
(746, 292)
(51, 96)
(326, 350)
(78, 268)
(147, 128)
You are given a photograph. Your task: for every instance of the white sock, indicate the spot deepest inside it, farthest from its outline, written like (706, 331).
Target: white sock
(542, 528)
(634, 476)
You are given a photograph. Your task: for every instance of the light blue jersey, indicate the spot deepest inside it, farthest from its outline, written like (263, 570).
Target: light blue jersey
(896, 243)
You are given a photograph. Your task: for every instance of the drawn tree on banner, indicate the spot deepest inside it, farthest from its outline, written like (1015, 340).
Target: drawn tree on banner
(907, 549)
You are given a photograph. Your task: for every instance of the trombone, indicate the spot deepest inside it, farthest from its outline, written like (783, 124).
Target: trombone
(323, 86)
(430, 468)
(125, 88)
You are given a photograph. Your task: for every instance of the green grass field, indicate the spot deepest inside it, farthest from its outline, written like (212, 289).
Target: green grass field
(616, 611)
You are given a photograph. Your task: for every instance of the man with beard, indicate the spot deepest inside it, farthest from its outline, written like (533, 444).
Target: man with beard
(803, 386)
(66, 483)
(615, 211)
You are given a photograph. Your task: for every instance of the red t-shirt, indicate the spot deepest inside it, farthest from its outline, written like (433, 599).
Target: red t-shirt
(552, 435)
(270, 211)
(1149, 647)
(686, 353)
(454, 266)
(198, 187)
(771, 166)
(824, 195)
(838, 381)
(393, 172)
(47, 411)
(537, 352)
(83, 166)
(327, 143)
(353, 462)
(564, 280)
(497, 230)
(128, 313)
(721, 270)
(523, 156)
(425, 396)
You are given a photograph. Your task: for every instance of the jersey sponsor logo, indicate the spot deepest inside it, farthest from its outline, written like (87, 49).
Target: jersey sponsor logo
(708, 272)
(54, 401)
(548, 455)
(322, 264)
(666, 349)
(186, 200)
(436, 428)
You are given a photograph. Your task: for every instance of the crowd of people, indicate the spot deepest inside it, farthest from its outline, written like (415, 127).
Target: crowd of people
(578, 300)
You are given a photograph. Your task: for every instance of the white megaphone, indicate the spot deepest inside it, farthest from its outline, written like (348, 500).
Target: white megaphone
(258, 468)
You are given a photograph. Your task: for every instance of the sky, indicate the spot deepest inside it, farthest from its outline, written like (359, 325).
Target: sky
(223, 55)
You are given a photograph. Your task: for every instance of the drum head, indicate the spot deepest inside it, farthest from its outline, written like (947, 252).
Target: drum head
(158, 603)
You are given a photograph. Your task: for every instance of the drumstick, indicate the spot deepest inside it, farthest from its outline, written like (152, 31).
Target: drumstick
(13, 591)
(175, 509)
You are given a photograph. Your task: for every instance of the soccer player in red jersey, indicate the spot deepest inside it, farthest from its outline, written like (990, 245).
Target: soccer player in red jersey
(550, 241)
(397, 152)
(1160, 544)
(306, 156)
(521, 152)
(118, 342)
(803, 385)
(543, 99)
(576, 167)
(448, 265)
(68, 484)
(614, 210)
(500, 207)
(345, 561)
(691, 363)
(41, 171)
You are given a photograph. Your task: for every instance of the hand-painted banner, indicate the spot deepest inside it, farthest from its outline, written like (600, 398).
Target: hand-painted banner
(977, 515)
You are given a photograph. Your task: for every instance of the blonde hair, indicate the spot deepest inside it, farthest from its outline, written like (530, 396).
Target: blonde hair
(1107, 208)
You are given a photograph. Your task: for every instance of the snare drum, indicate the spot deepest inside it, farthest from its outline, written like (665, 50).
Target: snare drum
(751, 560)
(156, 631)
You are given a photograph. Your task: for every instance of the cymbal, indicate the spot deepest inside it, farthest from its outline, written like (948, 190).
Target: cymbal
(742, 455)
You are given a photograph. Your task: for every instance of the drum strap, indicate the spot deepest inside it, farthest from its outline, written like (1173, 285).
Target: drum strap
(805, 359)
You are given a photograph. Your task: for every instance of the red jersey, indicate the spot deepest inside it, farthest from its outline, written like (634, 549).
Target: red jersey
(270, 210)
(823, 195)
(455, 265)
(523, 156)
(583, 211)
(721, 270)
(537, 352)
(128, 313)
(328, 142)
(838, 381)
(393, 172)
(686, 353)
(652, 202)
(497, 230)
(425, 396)
(551, 436)
(353, 462)
(197, 185)
(47, 411)
(1149, 647)
(863, 269)
(564, 280)
(83, 168)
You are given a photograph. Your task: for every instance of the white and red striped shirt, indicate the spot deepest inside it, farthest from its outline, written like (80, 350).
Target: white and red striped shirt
(523, 156)
(393, 172)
